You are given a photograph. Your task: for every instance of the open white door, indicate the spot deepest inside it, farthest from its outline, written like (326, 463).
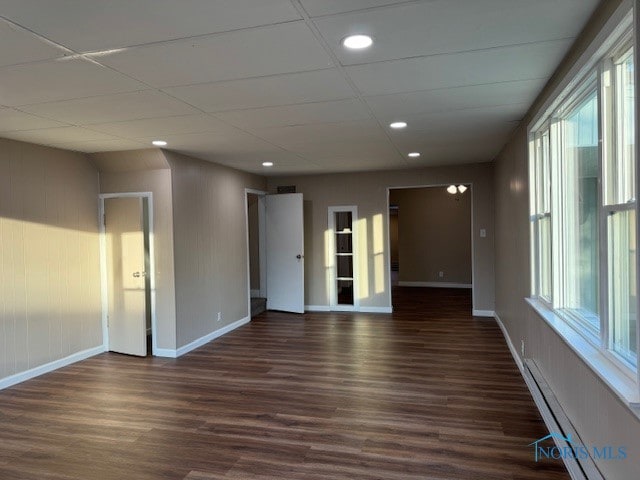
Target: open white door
(125, 275)
(285, 252)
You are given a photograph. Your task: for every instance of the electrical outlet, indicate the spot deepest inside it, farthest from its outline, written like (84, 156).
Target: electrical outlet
(219, 316)
(440, 274)
(522, 347)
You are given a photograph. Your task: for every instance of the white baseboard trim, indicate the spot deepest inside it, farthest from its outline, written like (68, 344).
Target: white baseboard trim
(50, 367)
(435, 284)
(164, 352)
(484, 313)
(376, 309)
(317, 308)
(512, 348)
(255, 293)
(211, 336)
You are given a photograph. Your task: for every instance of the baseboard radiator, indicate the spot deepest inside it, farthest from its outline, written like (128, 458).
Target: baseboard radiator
(557, 421)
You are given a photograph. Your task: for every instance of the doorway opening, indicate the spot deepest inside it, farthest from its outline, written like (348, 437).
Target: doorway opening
(430, 240)
(128, 272)
(257, 255)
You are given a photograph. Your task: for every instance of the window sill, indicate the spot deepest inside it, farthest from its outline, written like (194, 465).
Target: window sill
(624, 387)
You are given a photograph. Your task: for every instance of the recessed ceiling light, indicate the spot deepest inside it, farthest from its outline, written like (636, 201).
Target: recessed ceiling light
(357, 42)
(159, 143)
(414, 154)
(267, 164)
(398, 125)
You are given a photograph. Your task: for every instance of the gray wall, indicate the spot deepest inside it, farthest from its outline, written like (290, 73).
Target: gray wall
(596, 412)
(369, 192)
(254, 241)
(434, 235)
(49, 256)
(210, 244)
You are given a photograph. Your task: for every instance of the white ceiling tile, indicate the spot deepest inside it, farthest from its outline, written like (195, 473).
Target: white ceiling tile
(523, 62)
(95, 146)
(316, 86)
(83, 25)
(158, 126)
(284, 48)
(20, 46)
(13, 120)
(329, 7)
(400, 105)
(445, 26)
(220, 142)
(55, 136)
(112, 108)
(323, 112)
(59, 80)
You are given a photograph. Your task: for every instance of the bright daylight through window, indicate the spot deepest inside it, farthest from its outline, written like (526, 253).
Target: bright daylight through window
(584, 204)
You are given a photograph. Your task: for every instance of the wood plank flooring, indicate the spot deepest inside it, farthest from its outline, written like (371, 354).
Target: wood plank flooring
(426, 393)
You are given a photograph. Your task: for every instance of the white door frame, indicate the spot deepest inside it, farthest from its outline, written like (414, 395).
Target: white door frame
(104, 293)
(473, 273)
(333, 295)
(262, 248)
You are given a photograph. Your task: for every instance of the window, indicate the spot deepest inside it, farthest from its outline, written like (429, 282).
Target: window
(583, 204)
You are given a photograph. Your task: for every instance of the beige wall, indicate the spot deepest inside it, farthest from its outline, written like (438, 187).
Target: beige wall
(210, 244)
(254, 241)
(394, 241)
(369, 192)
(157, 182)
(49, 256)
(595, 411)
(434, 235)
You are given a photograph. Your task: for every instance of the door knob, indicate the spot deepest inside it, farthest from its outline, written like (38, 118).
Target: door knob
(136, 274)
(299, 256)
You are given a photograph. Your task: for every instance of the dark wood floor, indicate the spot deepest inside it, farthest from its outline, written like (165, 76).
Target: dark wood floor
(428, 393)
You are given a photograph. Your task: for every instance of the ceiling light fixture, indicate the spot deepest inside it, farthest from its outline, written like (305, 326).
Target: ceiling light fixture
(414, 154)
(452, 189)
(267, 164)
(159, 143)
(357, 42)
(398, 125)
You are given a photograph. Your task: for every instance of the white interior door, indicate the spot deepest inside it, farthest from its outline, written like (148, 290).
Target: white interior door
(124, 232)
(285, 252)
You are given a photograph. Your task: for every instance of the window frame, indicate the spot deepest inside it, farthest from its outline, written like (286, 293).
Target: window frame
(611, 48)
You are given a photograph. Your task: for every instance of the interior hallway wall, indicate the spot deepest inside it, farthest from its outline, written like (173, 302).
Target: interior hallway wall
(49, 256)
(210, 244)
(254, 241)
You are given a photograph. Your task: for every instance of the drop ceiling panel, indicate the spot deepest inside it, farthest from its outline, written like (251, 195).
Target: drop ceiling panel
(317, 8)
(400, 105)
(59, 80)
(150, 127)
(13, 120)
(85, 25)
(293, 137)
(19, 46)
(316, 86)
(282, 48)
(445, 26)
(112, 108)
(309, 113)
(95, 146)
(54, 136)
(523, 62)
(227, 142)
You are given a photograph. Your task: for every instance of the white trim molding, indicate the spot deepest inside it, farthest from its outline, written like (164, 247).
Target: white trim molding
(50, 367)
(317, 308)
(376, 309)
(211, 336)
(435, 284)
(484, 313)
(361, 309)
